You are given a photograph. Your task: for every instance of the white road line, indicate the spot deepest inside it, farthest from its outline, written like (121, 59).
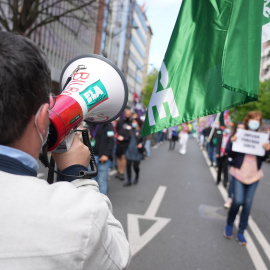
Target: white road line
(40, 175)
(252, 250)
(251, 247)
(138, 241)
(156, 201)
(259, 235)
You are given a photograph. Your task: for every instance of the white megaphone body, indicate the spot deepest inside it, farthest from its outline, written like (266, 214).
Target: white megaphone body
(93, 89)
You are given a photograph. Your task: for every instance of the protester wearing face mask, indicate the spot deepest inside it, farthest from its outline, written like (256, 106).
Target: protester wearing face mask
(246, 171)
(68, 224)
(228, 203)
(134, 153)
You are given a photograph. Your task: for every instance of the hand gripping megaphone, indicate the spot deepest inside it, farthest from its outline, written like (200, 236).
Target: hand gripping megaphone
(92, 89)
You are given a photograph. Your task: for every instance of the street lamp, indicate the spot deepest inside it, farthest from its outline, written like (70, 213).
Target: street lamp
(117, 33)
(139, 68)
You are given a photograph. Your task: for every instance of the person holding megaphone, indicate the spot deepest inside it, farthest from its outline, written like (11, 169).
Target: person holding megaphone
(65, 225)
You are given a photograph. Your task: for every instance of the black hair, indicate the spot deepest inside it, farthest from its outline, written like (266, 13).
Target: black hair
(25, 84)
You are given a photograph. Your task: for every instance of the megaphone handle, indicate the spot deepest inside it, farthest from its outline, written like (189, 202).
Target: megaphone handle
(93, 165)
(67, 82)
(50, 176)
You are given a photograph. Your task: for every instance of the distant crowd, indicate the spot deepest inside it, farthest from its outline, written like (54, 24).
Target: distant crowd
(119, 146)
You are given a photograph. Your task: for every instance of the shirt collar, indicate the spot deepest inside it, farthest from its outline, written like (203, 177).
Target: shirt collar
(23, 157)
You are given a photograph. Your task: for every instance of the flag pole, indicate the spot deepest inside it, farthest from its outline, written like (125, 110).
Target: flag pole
(213, 127)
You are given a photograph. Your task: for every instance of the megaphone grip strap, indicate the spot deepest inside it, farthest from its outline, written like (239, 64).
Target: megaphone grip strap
(81, 171)
(93, 165)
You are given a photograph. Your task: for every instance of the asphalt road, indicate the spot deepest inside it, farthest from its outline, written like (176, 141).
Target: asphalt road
(174, 217)
(182, 228)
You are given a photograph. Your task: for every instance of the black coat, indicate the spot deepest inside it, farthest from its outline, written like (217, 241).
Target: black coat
(238, 158)
(123, 128)
(104, 138)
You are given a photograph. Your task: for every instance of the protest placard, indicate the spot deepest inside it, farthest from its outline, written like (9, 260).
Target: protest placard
(250, 142)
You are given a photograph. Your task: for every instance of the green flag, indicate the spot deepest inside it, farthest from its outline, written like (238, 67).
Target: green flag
(212, 62)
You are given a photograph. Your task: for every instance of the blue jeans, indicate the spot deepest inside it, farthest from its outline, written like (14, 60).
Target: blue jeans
(102, 177)
(243, 195)
(147, 147)
(231, 186)
(159, 136)
(211, 153)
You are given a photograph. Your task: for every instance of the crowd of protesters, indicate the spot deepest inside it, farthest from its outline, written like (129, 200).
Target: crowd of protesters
(119, 147)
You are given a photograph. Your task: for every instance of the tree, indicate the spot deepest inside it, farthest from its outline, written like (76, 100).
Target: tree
(263, 104)
(26, 16)
(148, 89)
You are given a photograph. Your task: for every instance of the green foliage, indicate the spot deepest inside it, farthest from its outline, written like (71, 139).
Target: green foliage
(148, 89)
(262, 104)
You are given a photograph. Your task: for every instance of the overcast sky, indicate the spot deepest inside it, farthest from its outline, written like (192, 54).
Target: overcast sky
(162, 15)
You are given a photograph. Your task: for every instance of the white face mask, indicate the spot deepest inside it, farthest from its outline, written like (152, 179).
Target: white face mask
(40, 135)
(134, 125)
(253, 124)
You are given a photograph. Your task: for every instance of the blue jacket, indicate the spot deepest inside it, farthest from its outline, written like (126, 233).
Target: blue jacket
(238, 158)
(133, 152)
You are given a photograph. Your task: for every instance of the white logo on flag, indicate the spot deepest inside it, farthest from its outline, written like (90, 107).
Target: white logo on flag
(266, 21)
(266, 10)
(159, 98)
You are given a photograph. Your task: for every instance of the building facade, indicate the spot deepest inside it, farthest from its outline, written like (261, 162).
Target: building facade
(70, 35)
(265, 62)
(65, 39)
(126, 41)
(116, 29)
(137, 56)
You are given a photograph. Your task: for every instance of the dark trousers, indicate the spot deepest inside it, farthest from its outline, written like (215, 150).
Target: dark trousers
(211, 153)
(222, 163)
(172, 144)
(136, 168)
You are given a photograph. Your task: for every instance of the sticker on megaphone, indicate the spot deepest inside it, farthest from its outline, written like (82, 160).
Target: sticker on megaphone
(93, 89)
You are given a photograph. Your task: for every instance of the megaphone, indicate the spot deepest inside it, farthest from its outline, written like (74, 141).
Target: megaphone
(92, 89)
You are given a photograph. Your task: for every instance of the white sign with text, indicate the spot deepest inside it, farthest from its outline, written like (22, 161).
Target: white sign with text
(250, 142)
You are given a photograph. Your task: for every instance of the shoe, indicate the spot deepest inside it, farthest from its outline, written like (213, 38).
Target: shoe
(241, 239)
(228, 231)
(127, 184)
(120, 176)
(135, 182)
(218, 181)
(228, 203)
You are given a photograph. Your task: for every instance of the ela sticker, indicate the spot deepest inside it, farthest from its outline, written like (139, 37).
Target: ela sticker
(94, 94)
(110, 133)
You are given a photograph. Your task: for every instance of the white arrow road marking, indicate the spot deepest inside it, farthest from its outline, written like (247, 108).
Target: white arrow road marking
(137, 241)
